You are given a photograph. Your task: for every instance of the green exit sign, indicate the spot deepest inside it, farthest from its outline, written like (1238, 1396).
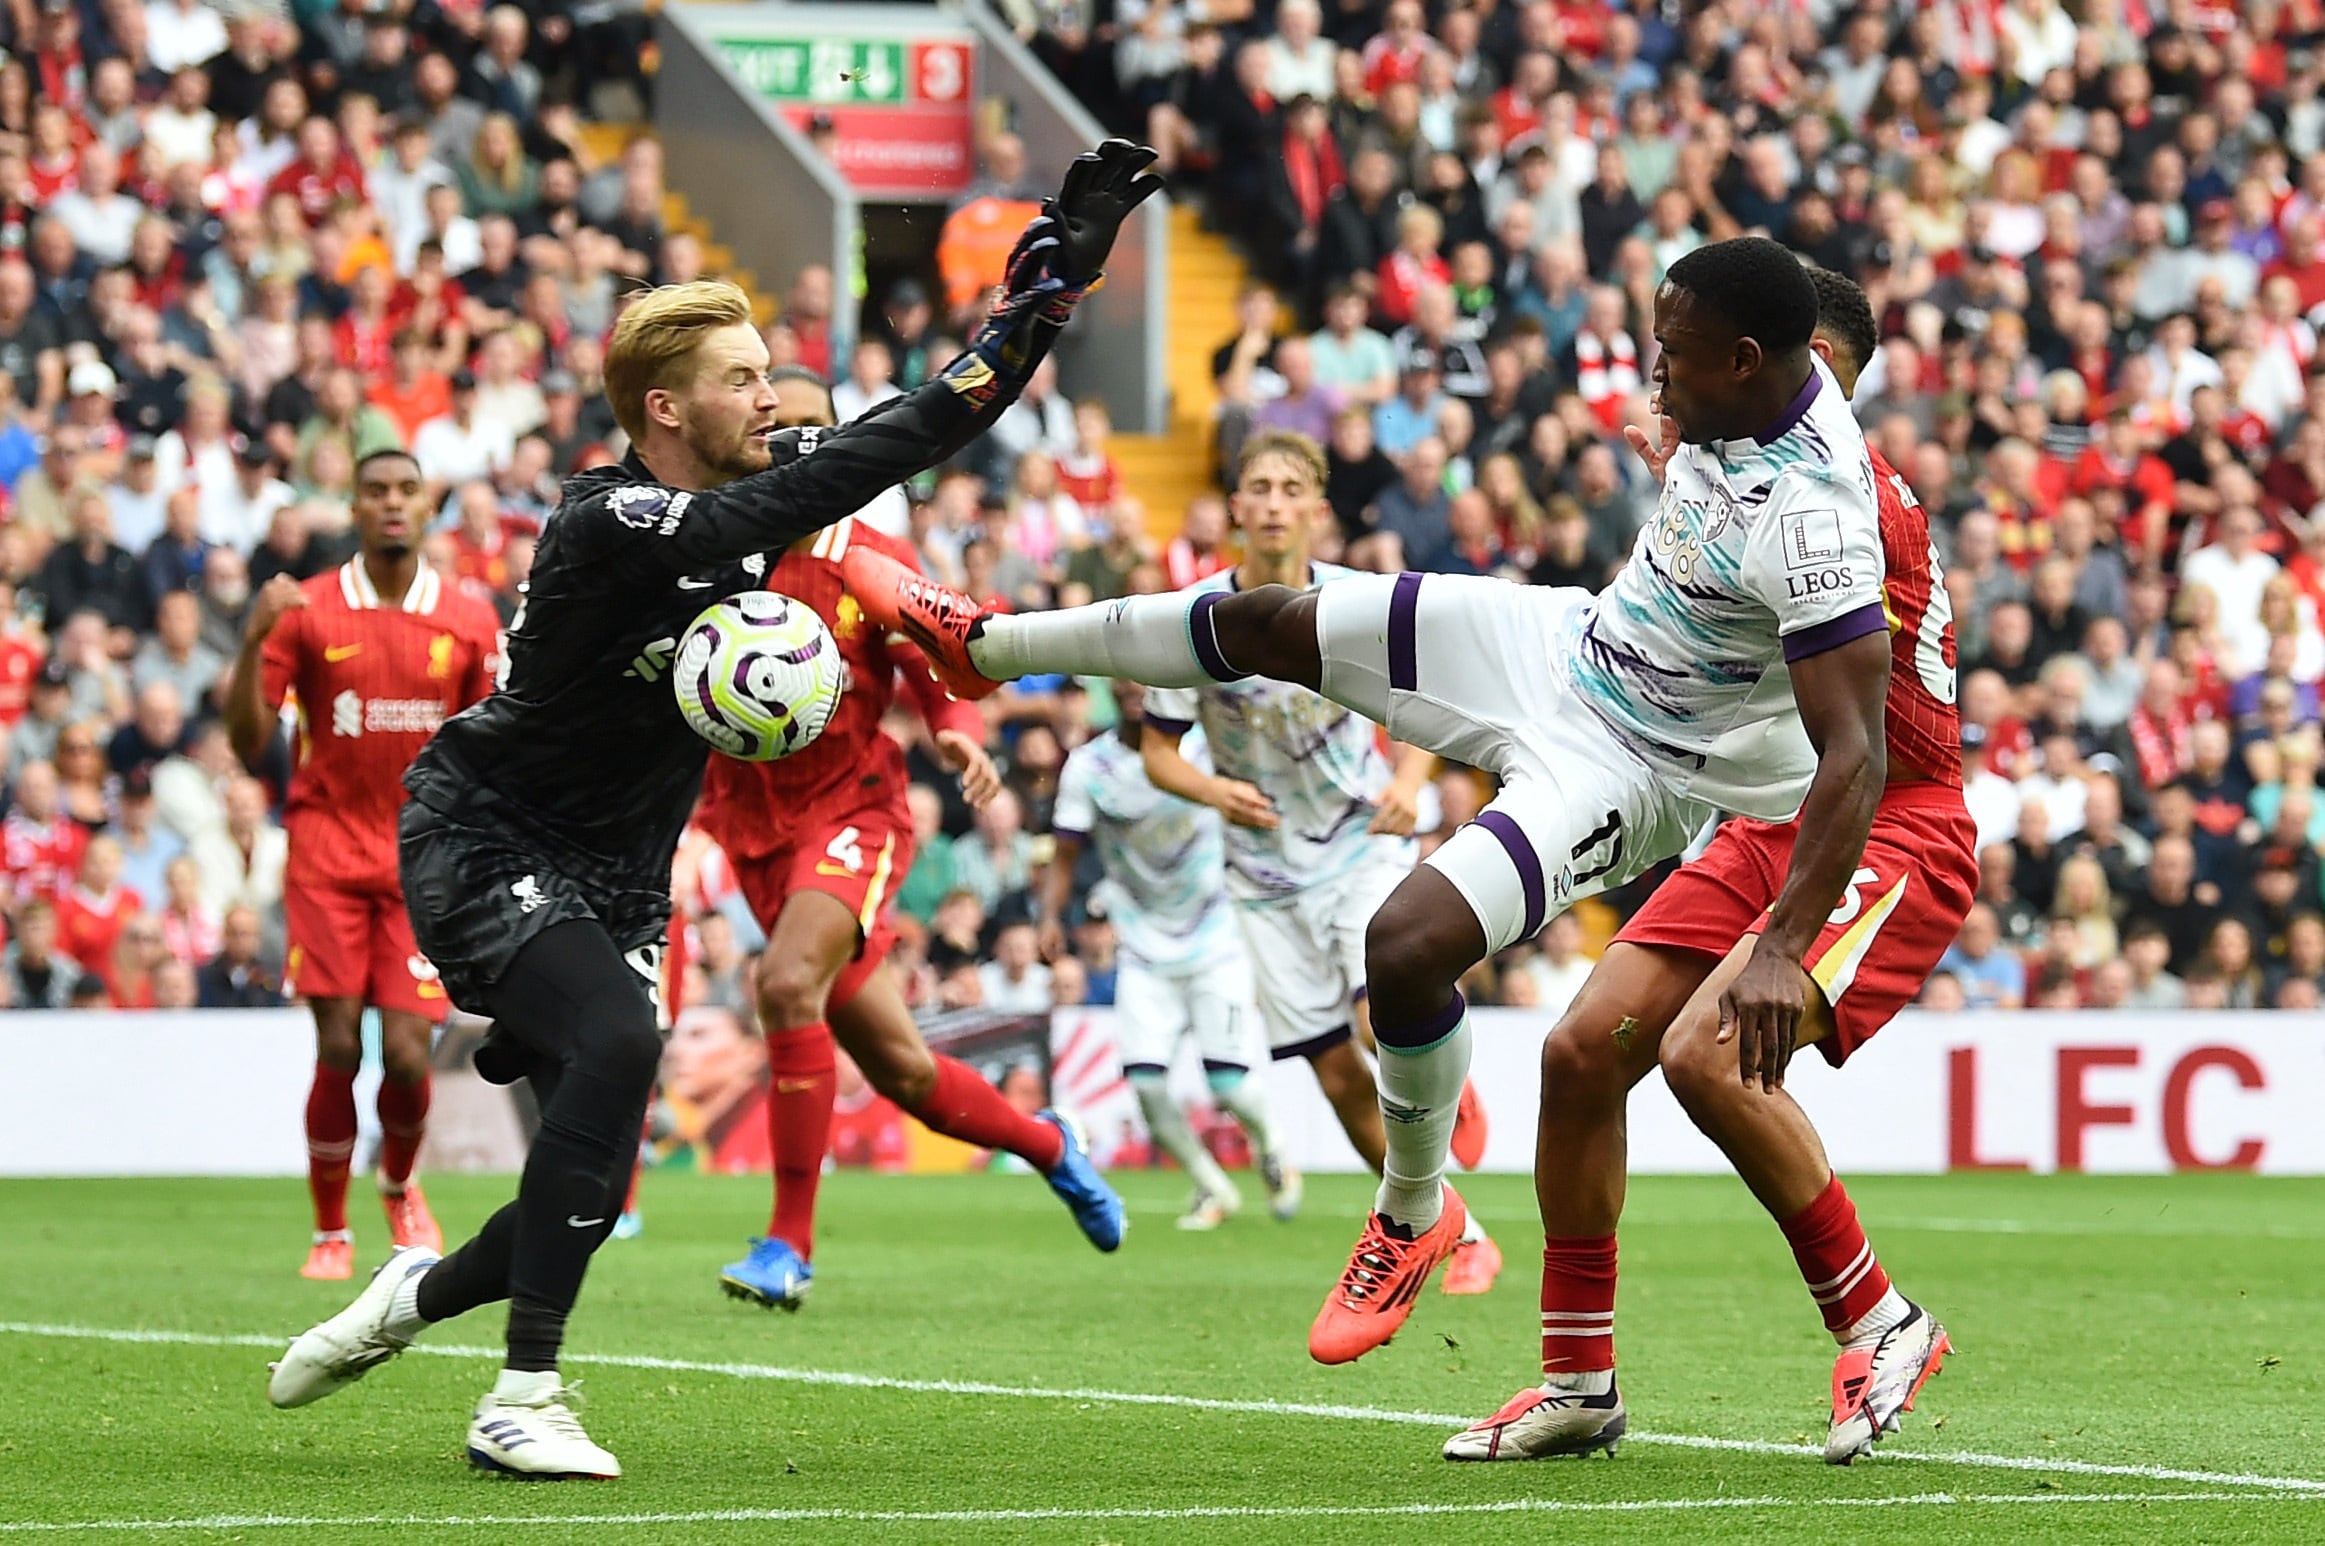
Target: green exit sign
(826, 70)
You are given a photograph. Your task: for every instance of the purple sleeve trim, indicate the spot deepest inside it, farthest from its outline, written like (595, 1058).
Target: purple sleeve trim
(1076, 833)
(1835, 632)
(1170, 726)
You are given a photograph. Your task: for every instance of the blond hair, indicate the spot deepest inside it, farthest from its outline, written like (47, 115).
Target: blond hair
(1289, 443)
(654, 342)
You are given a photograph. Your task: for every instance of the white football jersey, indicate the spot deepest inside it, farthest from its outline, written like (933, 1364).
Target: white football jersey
(1166, 883)
(1760, 551)
(1320, 763)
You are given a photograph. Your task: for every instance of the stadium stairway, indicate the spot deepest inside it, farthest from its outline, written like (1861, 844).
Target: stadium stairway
(1168, 470)
(605, 143)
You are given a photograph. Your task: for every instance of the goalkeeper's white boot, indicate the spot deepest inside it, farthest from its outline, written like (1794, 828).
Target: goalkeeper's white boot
(527, 1428)
(381, 1323)
(1543, 1422)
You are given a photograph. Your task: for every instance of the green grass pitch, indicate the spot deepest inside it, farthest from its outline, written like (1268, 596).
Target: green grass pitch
(2138, 1362)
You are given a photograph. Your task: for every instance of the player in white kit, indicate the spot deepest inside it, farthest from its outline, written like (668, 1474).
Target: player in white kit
(1740, 662)
(1182, 970)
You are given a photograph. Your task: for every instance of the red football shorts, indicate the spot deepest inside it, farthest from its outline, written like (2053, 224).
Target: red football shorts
(860, 858)
(359, 945)
(1903, 907)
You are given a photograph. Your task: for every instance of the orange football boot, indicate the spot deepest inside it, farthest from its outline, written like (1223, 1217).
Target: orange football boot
(330, 1260)
(409, 1221)
(1469, 1128)
(900, 599)
(1385, 1273)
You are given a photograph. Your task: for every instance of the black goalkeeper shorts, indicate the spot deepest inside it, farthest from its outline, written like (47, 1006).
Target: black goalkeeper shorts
(479, 896)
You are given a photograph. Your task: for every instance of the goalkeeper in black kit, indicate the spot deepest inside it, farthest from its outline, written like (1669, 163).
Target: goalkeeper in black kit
(536, 844)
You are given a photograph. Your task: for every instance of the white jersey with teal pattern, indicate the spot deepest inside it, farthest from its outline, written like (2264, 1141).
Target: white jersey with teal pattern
(1166, 883)
(1320, 763)
(1761, 551)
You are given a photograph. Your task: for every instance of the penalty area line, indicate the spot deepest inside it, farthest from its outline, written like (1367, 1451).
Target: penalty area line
(971, 1516)
(1257, 1408)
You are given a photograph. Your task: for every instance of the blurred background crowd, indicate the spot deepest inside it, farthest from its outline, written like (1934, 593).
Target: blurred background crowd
(242, 245)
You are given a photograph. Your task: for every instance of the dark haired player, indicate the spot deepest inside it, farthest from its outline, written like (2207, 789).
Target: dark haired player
(537, 842)
(1663, 978)
(375, 655)
(819, 842)
(1737, 663)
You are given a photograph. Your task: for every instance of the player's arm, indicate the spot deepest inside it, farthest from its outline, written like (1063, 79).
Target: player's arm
(1840, 692)
(1060, 259)
(1168, 769)
(956, 729)
(1073, 816)
(1399, 808)
(263, 669)
(1057, 889)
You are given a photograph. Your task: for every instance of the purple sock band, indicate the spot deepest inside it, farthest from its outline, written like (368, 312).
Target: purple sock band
(1420, 1038)
(1203, 634)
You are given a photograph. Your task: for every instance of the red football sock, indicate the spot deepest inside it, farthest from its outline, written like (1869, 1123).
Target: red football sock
(330, 1144)
(1836, 1258)
(799, 1124)
(1578, 1304)
(964, 1106)
(403, 1122)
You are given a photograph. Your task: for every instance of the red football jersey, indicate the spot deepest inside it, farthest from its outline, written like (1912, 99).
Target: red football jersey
(40, 860)
(1923, 725)
(757, 808)
(371, 683)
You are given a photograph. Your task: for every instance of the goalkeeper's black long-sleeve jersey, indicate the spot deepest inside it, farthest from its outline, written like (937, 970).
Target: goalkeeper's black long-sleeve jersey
(583, 744)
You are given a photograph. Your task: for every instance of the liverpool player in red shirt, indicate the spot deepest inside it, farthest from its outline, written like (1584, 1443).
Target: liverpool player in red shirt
(1656, 998)
(375, 654)
(819, 841)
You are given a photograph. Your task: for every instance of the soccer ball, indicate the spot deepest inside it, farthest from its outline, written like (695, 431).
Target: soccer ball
(758, 675)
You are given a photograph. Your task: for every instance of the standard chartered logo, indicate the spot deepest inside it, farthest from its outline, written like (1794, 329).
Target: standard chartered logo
(347, 714)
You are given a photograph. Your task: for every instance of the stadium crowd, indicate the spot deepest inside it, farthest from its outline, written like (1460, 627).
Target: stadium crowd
(239, 247)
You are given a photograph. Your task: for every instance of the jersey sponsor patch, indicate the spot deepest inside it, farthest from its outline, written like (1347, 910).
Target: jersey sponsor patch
(1812, 539)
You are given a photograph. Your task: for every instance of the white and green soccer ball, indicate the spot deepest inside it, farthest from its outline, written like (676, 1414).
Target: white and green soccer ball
(758, 675)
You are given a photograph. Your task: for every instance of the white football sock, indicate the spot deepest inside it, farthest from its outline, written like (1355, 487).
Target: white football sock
(1889, 1311)
(1471, 1230)
(525, 1387)
(1420, 1091)
(404, 1319)
(1146, 639)
(1168, 1123)
(1243, 1096)
(1581, 1382)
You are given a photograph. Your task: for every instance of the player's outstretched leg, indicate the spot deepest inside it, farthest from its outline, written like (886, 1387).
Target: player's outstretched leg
(404, 1091)
(1890, 1346)
(331, 1135)
(950, 1097)
(1178, 639)
(1416, 948)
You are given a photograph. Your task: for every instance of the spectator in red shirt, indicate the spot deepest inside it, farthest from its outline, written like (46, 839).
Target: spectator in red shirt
(363, 338)
(40, 846)
(1088, 472)
(1395, 55)
(1415, 265)
(2118, 462)
(322, 176)
(92, 912)
(1200, 549)
(2303, 260)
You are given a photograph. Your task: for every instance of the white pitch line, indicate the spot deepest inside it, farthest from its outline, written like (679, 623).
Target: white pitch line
(2128, 1227)
(1331, 1411)
(975, 1516)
